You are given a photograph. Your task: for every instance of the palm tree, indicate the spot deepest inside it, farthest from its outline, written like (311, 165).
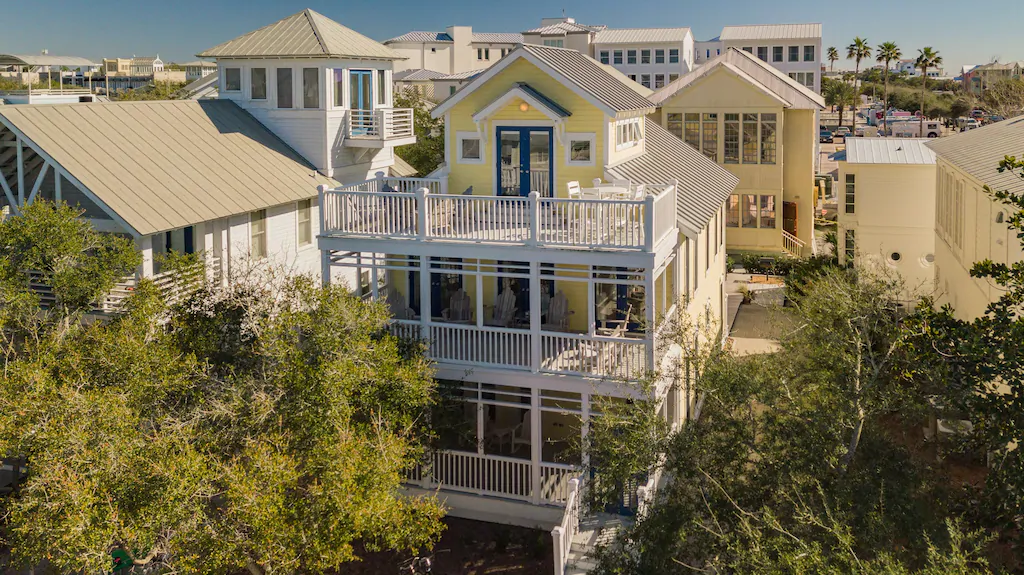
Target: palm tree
(887, 52)
(840, 93)
(926, 58)
(859, 50)
(833, 55)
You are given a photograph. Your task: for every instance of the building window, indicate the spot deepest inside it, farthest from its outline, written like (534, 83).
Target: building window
(659, 56)
(631, 56)
(310, 88)
(258, 83)
(674, 124)
(768, 138)
(850, 243)
(659, 81)
(339, 88)
(710, 136)
(673, 77)
(305, 222)
(776, 53)
(809, 80)
(451, 90)
(762, 52)
(627, 133)
(258, 234)
(580, 149)
(749, 138)
(748, 49)
(605, 57)
(794, 53)
(284, 87)
(749, 212)
(732, 212)
(632, 77)
(645, 80)
(232, 79)
(382, 88)
(808, 53)
(555, 43)
(485, 53)
(617, 56)
(469, 147)
(692, 130)
(767, 211)
(732, 139)
(673, 55)
(851, 193)
(645, 56)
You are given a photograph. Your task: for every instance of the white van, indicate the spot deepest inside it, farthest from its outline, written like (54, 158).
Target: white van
(912, 129)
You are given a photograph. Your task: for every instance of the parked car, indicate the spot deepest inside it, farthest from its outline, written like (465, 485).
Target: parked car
(825, 137)
(970, 125)
(843, 132)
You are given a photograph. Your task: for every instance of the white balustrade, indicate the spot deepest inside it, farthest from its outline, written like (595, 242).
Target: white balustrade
(493, 219)
(615, 358)
(484, 346)
(369, 214)
(555, 485)
(563, 533)
(792, 245)
(483, 474)
(381, 124)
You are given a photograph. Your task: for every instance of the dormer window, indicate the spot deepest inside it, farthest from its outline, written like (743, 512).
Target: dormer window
(284, 87)
(311, 88)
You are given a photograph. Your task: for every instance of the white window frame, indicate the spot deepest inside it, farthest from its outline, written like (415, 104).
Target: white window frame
(632, 136)
(591, 137)
(606, 57)
(459, 137)
(299, 208)
(240, 79)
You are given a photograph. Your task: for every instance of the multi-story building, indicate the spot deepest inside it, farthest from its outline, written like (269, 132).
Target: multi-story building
(651, 57)
(563, 33)
(887, 209)
(198, 69)
(986, 75)
(795, 49)
(969, 225)
(134, 66)
(542, 264)
(458, 49)
(706, 50)
(759, 124)
(419, 81)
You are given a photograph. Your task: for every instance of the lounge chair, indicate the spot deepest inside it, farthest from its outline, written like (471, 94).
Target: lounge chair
(460, 308)
(504, 311)
(558, 314)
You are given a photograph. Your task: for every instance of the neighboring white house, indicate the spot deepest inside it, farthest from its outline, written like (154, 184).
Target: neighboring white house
(707, 49)
(652, 57)
(146, 65)
(445, 86)
(563, 33)
(457, 49)
(198, 69)
(419, 81)
(792, 48)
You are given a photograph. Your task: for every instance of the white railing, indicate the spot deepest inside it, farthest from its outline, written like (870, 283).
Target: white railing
(385, 208)
(381, 124)
(615, 358)
(564, 533)
(792, 245)
(485, 346)
(483, 474)
(556, 482)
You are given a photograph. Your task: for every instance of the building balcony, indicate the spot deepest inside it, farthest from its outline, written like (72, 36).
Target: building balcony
(421, 210)
(383, 127)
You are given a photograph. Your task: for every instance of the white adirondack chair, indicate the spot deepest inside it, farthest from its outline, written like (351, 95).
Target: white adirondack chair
(399, 308)
(504, 311)
(460, 308)
(558, 313)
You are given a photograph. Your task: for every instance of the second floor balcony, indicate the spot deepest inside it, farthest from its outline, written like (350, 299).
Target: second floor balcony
(379, 128)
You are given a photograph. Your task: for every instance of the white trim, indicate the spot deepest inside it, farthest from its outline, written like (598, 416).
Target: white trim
(579, 137)
(631, 143)
(459, 137)
(517, 92)
(241, 79)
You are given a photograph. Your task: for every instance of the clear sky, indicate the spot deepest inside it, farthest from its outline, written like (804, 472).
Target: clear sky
(178, 29)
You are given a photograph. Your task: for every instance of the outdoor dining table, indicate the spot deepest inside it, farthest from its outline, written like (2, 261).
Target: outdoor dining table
(605, 193)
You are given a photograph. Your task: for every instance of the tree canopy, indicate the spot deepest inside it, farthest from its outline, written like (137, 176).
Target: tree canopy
(427, 154)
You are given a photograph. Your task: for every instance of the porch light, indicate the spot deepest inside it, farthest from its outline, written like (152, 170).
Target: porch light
(524, 107)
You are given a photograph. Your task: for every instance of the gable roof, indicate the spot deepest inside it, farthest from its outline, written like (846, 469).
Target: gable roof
(703, 185)
(163, 165)
(562, 28)
(770, 32)
(979, 151)
(582, 73)
(304, 34)
(417, 37)
(888, 151)
(524, 91)
(420, 75)
(44, 60)
(752, 69)
(498, 37)
(461, 75)
(640, 35)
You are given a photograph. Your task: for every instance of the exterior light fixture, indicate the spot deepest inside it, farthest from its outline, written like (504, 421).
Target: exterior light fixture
(523, 107)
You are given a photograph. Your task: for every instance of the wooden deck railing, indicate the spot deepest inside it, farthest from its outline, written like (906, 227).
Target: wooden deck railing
(380, 124)
(792, 245)
(563, 533)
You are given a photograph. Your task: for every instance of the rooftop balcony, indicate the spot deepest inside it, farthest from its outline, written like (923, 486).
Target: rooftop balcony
(379, 128)
(420, 209)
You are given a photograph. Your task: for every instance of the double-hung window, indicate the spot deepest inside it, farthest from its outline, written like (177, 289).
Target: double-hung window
(851, 193)
(304, 222)
(258, 84)
(673, 77)
(631, 56)
(284, 88)
(645, 80)
(673, 55)
(762, 53)
(311, 88)
(808, 53)
(794, 53)
(767, 211)
(605, 57)
(618, 56)
(659, 56)
(732, 212)
(776, 53)
(232, 79)
(645, 56)
(748, 212)
(258, 233)
(659, 81)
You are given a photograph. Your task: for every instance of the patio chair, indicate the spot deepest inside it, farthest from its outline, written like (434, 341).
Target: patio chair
(504, 311)
(558, 314)
(574, 190)
(460, 308)
(442, 215)
(396, 303)
(521, 435)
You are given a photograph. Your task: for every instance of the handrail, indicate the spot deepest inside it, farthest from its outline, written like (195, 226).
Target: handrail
(792, 245)
(564, 533)
(382, 123)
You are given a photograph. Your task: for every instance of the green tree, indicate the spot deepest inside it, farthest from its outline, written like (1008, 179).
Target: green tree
(1005, 98)
(427, 154)
(926, 58)
(857, 51)
(265, 427)
(833, 55)
(887, 53)
(841, 94)
(156, 91)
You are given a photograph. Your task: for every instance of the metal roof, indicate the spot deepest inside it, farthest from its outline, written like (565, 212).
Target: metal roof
(590, 76)
(770, 32)
(498, 37)
(888, 151)
(761, 74)
(201, 87)
(198, 64)
(641, 35)
(420, 75)
(163, 165)
(703, 184)
(305, 34)
(416, 37)
(461, 75)
(44, 60)
(979, 151)
(562, 28)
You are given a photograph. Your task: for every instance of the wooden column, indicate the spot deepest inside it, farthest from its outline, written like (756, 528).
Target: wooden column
(535, 315)
(535, 442)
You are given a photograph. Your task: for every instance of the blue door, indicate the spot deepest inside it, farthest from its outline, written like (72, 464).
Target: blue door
(524, 161)
(361, 101)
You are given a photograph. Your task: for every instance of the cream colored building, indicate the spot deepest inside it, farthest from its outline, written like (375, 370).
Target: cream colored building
(887, 208)
(759, 124)
(457, 49)
(969, 225)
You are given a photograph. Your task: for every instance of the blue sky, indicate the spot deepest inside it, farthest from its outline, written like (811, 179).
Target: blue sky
(179, 29)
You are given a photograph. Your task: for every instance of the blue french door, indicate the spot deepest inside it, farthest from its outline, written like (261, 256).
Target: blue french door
(361, 100)
(524, 161)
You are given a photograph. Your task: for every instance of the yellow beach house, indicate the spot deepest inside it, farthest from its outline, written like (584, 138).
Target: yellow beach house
(759, 124)
(540, 263)
(887, 208)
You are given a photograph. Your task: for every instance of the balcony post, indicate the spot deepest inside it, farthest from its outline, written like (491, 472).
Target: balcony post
(535, 315)
(649, 223)
(649, 316)
(321, 192)
(422, 217)
(534, 206)
(535, 443)
(425, 312)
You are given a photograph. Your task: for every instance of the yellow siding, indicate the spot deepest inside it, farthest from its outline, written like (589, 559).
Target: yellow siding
(585, 118)
(799, 140)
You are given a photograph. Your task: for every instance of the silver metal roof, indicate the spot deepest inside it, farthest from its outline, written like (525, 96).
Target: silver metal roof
(640, 35)
(979, 151)
(420, 75)
(461, 75)
(418, 37)
(44, 60)
(763, 75)
(593, 78)
(703, 184)
(305, 34)
(888, 151)
(498, 37)
(562, 28)
(770, 32)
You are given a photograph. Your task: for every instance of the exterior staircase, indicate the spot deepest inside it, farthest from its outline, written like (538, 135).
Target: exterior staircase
(595, 530)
